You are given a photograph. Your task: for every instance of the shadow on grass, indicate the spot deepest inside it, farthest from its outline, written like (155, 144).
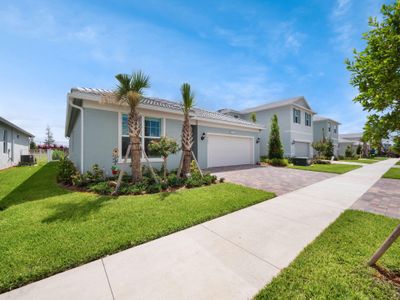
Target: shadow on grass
(42, 184)
(76, 210)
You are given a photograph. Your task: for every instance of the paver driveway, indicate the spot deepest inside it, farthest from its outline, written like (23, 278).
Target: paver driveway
(274, 179)
(382, 198)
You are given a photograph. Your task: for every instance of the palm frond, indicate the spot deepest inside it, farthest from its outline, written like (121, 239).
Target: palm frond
(139, 81)
(187, 97)
(123, 87)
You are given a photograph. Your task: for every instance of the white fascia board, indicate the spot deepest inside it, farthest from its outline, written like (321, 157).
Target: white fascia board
(304, 108)
(223, 124)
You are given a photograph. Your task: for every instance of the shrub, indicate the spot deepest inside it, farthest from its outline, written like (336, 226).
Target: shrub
(102, 187)
(96, 174)
(135, 189)
(329, 149)
(192, 182)
(208, 179)
(164, 185)
(349, 152)
(153, 188)
(174, 181)
(264, 158)
(222, 180)
(57, 155)
(278, 162)
(321, 162)
(66, 170)
(275, 148)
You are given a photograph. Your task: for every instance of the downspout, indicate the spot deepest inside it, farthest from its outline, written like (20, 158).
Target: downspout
(82, 148)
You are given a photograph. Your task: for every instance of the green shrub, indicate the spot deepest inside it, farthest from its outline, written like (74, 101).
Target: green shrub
(174, 181)
(264, 158)
(153, 188)
(207, 179)
(278, 162)
(135, 189)
(96, 174)
(57, 155)
(321, 162)
(222, 180)
(164, 185)
(349, 152)
(192, 182)
(66, 170)
(102, 187)
(275, 148)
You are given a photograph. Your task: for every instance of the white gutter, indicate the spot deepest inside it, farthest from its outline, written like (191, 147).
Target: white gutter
(82, 148)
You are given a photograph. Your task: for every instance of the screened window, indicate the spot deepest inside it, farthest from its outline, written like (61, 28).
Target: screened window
(296, 116)
(308, 119)
(5, 141)
(151, 130)
(334, 129)
(329, 126)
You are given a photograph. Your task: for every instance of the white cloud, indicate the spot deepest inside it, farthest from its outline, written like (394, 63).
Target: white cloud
(341, 8)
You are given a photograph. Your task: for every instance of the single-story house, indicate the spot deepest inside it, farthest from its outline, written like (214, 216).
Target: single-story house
(295, 119)
(349, 139)
(324, 126)
(95, 128)
(14, 142)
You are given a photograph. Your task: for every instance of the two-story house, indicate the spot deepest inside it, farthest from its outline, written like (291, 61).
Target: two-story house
(295, 119)
(329, 128)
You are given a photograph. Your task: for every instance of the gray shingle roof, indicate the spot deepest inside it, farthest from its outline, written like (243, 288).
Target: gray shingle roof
(322, 118)
(172, 105)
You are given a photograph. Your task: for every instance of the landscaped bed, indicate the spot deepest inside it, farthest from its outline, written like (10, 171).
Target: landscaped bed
(329, 168)
(45, 228)
(393, 173)
(334, 266)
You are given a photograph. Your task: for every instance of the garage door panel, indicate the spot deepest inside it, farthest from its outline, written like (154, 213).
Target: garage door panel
(229, 150)
(301, 149)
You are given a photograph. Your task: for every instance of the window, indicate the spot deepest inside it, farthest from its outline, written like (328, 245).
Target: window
(152, 131)
(296, 116)
(5, 140)
(334, 129)
(329, 126)
(308, 119)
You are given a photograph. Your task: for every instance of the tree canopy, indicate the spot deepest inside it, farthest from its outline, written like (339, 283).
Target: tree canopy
(375, 72)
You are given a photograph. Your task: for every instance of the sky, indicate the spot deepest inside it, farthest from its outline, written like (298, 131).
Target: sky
(235, 54)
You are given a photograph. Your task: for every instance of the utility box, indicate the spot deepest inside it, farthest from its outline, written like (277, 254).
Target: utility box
(301, 161)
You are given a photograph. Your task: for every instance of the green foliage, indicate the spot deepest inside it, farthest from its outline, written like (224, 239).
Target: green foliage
(32, 145)
(392, 173)
(396, 145)
(334, 265)
(154, 188)
(359, 149)
(275, 148)
(49, 139)
(349, 151)
(278, 162)
(46, 229)
(175, 181)
(66, 170)
(253, 117)
(329, 149)
(164, 147)
(264, 158)
(221, 180)
(133, 189)
(375, 72)
(130, 88)
(321, 148)
(57, 154)
(192, 182)
(187, 98)
(102, 188)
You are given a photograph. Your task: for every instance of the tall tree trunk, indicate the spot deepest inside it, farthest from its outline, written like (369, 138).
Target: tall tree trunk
(165, 167)
(135, 127)
(187, 142)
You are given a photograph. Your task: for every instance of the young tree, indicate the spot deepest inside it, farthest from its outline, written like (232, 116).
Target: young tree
(49, 140)
(275, 148)
(375, 72)
(320, 147)
(349, 151)
(253, 117)
(329, 148)
(130, 90)
(164, 146)
(32, 145)
(187, 138)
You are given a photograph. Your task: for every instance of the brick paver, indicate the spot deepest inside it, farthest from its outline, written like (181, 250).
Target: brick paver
(382, 198)
(273, 179)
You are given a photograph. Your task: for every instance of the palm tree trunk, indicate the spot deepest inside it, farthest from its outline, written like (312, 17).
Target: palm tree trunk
(165, 168)
(187, 141)
(135, 126)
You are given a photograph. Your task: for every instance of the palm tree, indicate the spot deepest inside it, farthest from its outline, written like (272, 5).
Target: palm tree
(187, 138)
(130, 90)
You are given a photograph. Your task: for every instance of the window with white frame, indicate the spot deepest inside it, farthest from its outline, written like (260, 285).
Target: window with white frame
(334, 129)
(308, 119)
(5, 141)
(151, 130)
(329, 126)
(296, 116)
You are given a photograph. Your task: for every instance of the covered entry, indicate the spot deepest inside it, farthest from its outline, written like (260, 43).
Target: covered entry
(229, 150)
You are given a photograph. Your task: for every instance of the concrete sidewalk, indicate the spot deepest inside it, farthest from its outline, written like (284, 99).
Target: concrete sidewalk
(231, 257)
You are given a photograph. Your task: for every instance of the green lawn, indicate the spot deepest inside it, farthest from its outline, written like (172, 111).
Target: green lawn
(334, 265)
(393, 173)
(398, 163)
(329, 168)
(361, 160)
(45, 229)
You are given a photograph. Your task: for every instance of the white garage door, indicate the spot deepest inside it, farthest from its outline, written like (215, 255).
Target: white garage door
(301, 149)
(224, 150)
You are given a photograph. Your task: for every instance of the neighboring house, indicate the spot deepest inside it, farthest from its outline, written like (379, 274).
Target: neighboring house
(329, 128)
(14, 142)
(95, 128)
(295, 118)
(352, 139)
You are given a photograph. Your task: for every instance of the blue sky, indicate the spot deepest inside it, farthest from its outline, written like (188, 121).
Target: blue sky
(234, 53)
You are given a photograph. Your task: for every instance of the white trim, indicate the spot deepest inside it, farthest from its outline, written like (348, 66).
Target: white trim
(231, 135)
(204, 122)
(82, 130)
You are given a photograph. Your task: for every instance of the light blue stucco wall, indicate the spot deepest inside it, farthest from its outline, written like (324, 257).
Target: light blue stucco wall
(264, 118)
(17, 145)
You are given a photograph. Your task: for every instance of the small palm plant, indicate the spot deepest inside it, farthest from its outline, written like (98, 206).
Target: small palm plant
(130, 91)
(187, 138)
